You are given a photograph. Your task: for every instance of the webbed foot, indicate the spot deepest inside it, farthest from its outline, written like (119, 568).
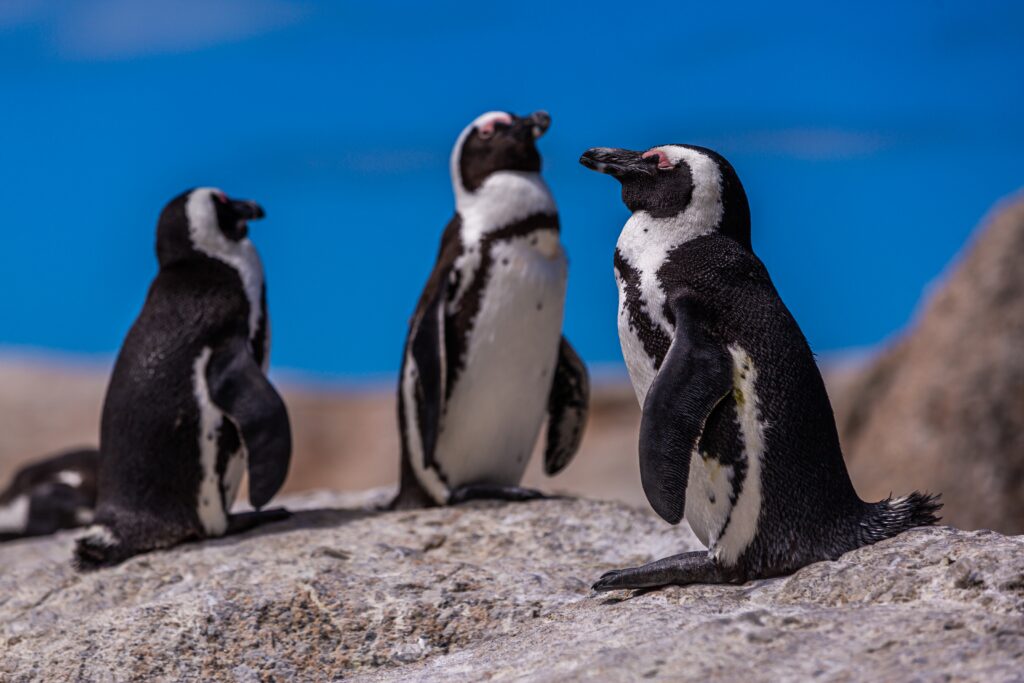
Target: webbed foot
(678, 570)
(491, 492)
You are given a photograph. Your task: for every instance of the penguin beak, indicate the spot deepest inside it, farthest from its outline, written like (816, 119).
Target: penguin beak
(619, 163)
(247, 210)
(539, 121)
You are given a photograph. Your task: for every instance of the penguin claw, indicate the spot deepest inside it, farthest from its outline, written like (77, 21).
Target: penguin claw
(607, 582)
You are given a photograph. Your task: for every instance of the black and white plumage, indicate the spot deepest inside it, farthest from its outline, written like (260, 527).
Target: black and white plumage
(737, 433)
(485, 360)
(58, 492)
(189, 408)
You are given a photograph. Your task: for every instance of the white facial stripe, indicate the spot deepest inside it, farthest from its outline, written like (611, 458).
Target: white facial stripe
(14, 516)
(646, 242)
(207, 238)
(704, 213)
(505, 196)
(456, 173)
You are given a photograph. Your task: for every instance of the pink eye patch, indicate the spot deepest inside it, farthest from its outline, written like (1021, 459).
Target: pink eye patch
(486, 128)
(663, 160)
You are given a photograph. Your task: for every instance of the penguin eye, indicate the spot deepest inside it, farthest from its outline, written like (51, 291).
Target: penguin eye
(664, 163)
(486, 133)
(220, 197)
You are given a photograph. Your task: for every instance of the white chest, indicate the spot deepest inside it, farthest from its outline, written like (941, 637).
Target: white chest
(498, 403)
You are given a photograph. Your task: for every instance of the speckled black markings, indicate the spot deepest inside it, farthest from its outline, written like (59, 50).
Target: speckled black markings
(510, 147)
(460, 323)
(719, 295)
(654, 339)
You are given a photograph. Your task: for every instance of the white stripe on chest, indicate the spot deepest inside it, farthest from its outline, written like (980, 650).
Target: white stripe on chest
(504, 198)
(498, 403)
(710, 484)
(213, 505)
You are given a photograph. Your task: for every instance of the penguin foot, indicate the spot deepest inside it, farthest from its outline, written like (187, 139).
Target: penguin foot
(244, 521)
(678, 570)
(489, 492)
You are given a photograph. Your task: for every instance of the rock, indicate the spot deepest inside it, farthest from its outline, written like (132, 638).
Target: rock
(501, 591)
(943, 408)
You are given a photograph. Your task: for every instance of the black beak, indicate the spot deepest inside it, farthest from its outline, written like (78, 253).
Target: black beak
(619, 163)
(247, 210)
(538, 121)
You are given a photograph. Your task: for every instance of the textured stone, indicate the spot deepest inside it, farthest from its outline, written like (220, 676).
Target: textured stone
(491, 591)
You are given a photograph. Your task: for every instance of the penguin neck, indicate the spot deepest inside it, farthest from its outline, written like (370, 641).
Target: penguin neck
(207, 239)
(504, 198)
(646, 239)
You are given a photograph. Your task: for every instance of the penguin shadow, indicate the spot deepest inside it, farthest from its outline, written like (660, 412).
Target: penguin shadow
(298, 520)
(604, 599)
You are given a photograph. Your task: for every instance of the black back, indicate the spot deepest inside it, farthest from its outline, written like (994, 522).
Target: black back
(808, 500)
(149, 429)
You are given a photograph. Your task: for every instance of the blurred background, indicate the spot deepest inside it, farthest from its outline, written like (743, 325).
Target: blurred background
(872, 140)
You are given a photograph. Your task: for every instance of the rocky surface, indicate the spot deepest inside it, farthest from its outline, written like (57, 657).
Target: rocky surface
(500, 592)
(943, 408)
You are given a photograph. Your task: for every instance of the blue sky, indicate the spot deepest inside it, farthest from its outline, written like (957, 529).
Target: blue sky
(871, 138)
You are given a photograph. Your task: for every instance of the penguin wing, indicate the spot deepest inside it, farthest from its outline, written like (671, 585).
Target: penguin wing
(694, 377)
(567, 409)
(239, 388)
(428, 351)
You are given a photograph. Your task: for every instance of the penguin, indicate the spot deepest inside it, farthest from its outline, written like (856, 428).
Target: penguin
(737, 434)
(189, 408)
(485, 360)
(57, 492)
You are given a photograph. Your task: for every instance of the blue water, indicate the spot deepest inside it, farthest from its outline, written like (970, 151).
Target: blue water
(870, 140)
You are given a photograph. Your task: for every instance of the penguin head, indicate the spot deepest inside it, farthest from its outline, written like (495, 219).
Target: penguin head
(496, 141)
(205, 221)
(684, 187)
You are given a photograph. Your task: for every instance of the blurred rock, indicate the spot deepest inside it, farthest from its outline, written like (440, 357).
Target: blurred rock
(344, 438)
(943, 408)
(500, 592)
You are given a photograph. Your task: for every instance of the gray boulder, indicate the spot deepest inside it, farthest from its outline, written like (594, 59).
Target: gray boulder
(500, 592)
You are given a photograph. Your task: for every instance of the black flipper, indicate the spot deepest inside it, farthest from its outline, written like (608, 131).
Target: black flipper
(427, 346)
(238, 387)
(567, 409)
(695, 375)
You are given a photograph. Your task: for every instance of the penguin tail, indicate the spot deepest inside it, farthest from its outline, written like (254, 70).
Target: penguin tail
(98, 547)
(893, 516)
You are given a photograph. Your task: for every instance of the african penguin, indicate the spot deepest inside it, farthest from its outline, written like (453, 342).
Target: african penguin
(57, 492)
(485, 359)
(737, 432)
(189, 408)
